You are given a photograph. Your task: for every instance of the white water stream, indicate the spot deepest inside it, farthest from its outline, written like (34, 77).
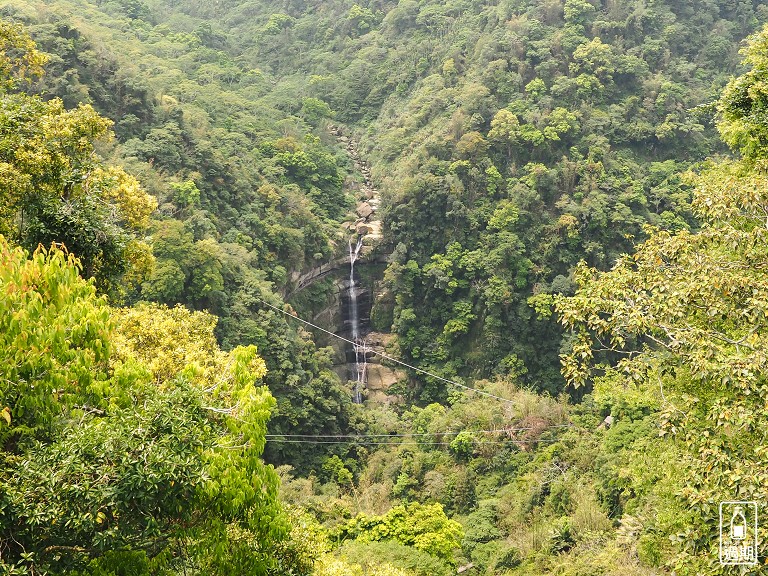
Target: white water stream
(358, 346)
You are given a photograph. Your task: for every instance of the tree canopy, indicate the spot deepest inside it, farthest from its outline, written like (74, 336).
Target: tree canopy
(179, 165)
(111, 460)
(686, 314)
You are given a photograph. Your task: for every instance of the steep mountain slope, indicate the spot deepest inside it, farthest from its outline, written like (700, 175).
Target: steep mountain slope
(509, 139)
(247, 192)
(575, 119)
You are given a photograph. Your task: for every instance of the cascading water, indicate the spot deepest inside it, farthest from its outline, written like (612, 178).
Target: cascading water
(354, 315)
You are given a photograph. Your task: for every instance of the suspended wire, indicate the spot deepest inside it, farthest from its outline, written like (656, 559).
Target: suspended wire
(387, 357)
(374, 443)
(377, 438)
(412, 434)
(350, 438)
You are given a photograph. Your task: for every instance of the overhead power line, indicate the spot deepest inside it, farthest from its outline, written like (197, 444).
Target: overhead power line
(414, 434)
(412, 443)
(390, 358)
(411, 439)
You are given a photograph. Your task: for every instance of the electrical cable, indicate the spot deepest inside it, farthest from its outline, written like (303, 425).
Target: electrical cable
(387, 357)
(349, 438)
(426, 443)
(409, 434)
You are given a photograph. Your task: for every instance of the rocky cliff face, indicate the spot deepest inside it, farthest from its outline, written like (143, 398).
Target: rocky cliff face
(335, 314)
(380, 376)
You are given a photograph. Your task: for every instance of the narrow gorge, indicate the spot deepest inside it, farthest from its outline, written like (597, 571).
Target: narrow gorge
(339, 294)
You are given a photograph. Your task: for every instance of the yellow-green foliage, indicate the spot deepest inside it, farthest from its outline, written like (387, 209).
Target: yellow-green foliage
(96, 458)
(603, 559)
(168, 340)
(53, 187)
(743, 102)
(54, 339)
(49, 145)
(19, 59)
(701, 302)
(329, 565)
(423, 526)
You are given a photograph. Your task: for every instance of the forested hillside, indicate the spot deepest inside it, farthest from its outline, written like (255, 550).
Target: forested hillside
(575, 118)
(246, 191)
(572, 197)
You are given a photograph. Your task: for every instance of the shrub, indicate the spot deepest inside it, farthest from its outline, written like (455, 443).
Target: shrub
(425, 527)
(415, 561)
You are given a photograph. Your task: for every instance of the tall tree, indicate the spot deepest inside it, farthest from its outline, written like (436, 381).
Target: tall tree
(117, 450)
(688, 314)
(53, 186)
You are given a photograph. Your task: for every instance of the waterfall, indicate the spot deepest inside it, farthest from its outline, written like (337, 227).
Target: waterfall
(358, 346)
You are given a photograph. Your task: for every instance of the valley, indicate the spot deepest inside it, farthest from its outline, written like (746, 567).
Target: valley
(390, 287)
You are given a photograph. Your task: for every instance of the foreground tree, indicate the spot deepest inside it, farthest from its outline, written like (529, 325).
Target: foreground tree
(688, 314)
(110, 462)
(53, 186)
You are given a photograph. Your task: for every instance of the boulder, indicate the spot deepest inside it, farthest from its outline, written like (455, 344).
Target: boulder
(374, 230)
(364, 210)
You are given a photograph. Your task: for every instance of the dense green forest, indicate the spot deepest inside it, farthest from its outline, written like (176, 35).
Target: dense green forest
(573, 207)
